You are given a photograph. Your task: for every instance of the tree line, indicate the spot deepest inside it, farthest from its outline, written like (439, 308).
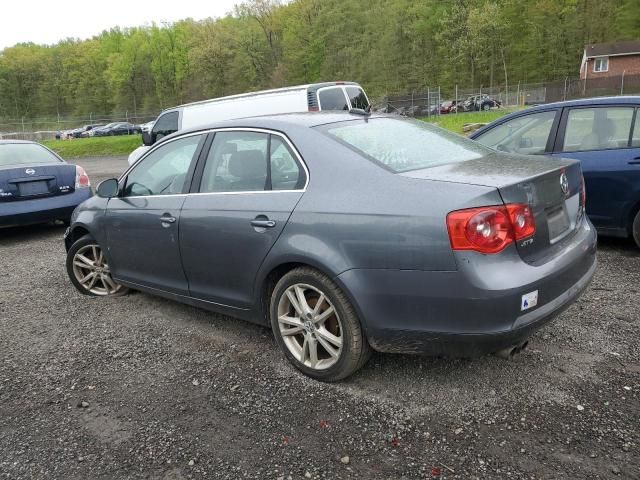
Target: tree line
(389, 46)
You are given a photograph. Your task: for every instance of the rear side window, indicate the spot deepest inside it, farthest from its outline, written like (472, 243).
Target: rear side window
(597, 129)
(237, 162)
(357, 98)
(403, 145)
(635, 138)
(526, 134)
(24, 154)
(166, 125)
(332, 99)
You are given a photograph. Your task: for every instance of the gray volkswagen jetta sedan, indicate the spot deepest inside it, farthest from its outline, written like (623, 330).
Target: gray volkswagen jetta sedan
(345, 232)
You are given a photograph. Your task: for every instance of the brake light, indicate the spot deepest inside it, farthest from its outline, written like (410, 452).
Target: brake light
(314, 109)
(82, 179)
(583, 192)
(489, 229)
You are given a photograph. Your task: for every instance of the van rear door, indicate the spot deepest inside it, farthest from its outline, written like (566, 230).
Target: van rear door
(342, 97)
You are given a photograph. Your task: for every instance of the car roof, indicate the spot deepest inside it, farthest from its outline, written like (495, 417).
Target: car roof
(581, 102)
(284, 120)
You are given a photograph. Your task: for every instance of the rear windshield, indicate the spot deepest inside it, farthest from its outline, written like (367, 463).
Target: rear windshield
(332, 99)
(25, 153)
(403, 145)
(357, 97)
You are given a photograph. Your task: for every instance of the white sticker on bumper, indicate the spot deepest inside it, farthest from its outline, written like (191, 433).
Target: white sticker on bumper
(529, 300)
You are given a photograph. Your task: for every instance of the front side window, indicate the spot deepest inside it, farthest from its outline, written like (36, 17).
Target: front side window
(237, 162)
(332, 99)
(164, 170)
(357, 97)
(635, 138)
(597, 129)
(166, 125)
(526, 134)
(403, 145)
(601, 64)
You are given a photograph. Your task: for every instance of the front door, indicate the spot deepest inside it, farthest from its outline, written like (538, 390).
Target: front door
(601, 138)
(250, 183)
(143, 222)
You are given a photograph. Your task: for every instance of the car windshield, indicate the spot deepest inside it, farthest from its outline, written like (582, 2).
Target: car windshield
(403, 145)
(24, 154)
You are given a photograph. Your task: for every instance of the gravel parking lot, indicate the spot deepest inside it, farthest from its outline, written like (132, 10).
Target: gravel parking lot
(140, 387)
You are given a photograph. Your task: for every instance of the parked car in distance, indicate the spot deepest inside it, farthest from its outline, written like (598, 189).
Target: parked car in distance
(477, 103)
(37, 186)
(274, 219)
(117, 128)
(88, 130)
(448, 106)
(603, 133)
(300, 98)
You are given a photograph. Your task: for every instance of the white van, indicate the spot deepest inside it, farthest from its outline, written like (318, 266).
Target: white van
(302, 98)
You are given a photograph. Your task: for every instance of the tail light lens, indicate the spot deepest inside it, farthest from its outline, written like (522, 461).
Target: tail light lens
(583, 192)
(82, 179)
(489, 229)
(314, 108)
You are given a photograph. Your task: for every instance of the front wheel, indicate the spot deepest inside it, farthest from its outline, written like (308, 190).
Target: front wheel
(89, 271)
(635, 229)
(316, 326)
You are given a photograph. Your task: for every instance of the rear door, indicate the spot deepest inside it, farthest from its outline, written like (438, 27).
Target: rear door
(601, 138)
(242, 197)
(143, 222)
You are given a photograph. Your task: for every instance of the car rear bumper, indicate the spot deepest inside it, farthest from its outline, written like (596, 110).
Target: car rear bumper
(451, 314)
(41, 210)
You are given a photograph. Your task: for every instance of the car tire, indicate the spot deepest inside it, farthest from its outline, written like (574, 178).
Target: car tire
(88, 270)
(486, 106)
(325, 323)
(635, 229)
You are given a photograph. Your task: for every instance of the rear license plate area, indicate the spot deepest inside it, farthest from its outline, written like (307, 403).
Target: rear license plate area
(557, 222)
(29, 189)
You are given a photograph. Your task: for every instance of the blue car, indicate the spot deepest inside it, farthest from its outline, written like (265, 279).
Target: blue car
(37, 186)
(603, 133)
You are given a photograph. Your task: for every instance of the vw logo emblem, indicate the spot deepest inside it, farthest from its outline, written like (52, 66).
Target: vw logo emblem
(564, 183)
(30, 171)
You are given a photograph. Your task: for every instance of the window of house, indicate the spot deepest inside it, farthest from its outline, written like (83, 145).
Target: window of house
(601, 64)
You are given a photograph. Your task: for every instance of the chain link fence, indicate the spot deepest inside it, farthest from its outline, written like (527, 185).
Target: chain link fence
(45, 128)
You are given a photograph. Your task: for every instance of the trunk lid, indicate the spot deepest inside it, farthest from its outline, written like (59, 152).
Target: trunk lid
(551, 187)
(25, 182)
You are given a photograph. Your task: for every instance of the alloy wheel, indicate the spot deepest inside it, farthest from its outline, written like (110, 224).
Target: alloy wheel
(92, 271)
(310, 326)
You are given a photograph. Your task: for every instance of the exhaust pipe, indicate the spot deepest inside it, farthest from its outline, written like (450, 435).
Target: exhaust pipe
(510, 352)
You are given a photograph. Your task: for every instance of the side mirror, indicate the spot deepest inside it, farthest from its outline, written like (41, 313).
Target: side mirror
(147, 139)
(108, 188)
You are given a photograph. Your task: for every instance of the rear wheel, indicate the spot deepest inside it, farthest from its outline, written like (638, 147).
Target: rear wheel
(486, 106)
(635, 229)
(89, 271)
(316, 326)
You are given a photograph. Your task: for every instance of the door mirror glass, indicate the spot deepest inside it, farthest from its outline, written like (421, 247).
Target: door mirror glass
(146, 139)
(108, 188)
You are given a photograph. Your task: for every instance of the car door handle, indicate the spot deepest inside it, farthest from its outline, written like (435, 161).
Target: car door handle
(635, 161)
(167, 219)
(263, 223)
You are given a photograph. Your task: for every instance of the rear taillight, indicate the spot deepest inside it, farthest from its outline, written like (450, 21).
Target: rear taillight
(314, 108)
(583, 192)
(82, 179)
(489, 229)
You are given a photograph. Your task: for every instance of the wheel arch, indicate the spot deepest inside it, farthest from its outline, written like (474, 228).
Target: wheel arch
(271, 275)
(76, 232)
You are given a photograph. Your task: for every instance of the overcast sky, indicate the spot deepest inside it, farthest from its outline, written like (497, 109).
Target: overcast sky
(48, 21)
